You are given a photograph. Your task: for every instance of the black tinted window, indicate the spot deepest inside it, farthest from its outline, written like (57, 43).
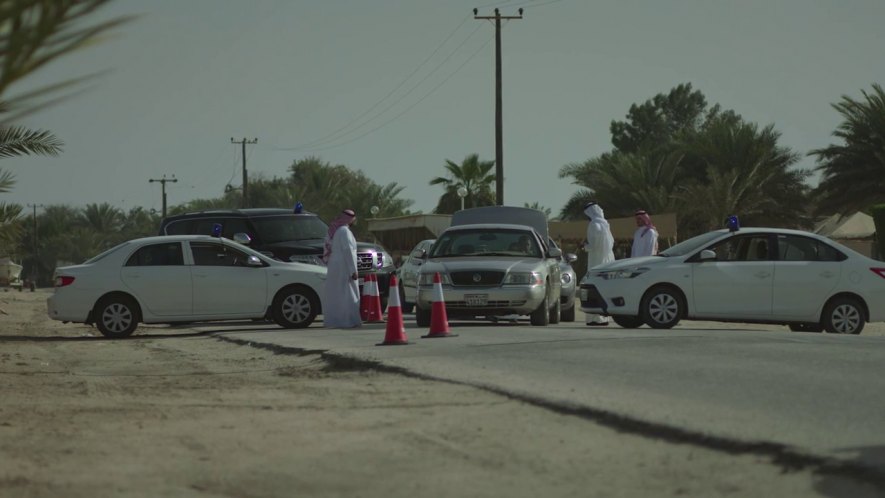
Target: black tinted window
(211, 254)
(798, 248)
(747, 248)
(288, 227)
(168, 254)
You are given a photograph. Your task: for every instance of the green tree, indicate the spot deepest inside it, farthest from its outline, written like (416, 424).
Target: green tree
(475, 176)
(853, 172)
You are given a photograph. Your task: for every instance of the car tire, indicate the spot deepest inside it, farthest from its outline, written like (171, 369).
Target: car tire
(661, 307)
(628, 322)
(556, 312)
(422, 316)
(116, 317)
(805, 327)
(843, 315)
(568, 314)
(295, 307)
(541, 315)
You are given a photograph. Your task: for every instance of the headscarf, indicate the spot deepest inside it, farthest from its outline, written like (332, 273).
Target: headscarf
(593, 211)
(345, 218)
(645, 219)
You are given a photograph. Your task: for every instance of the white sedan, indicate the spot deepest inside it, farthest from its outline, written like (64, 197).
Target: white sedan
(763, 275)
(184, 278)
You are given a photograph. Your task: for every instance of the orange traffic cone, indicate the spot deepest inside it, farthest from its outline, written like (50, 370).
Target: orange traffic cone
(364, 301)
(439, 322)
(373, 311)
(395, 334)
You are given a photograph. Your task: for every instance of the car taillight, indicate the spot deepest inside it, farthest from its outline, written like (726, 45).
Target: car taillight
(63, 281)
(878, 271)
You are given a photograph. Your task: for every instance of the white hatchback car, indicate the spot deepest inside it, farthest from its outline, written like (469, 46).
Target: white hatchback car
(184, 278)
(764, 275)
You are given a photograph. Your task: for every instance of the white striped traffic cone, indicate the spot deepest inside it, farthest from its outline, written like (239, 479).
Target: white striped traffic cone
(439, 322)
(395, 333)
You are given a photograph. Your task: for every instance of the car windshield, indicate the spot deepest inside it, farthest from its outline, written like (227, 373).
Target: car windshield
(691, 245)
(485, 242)
(288, 227)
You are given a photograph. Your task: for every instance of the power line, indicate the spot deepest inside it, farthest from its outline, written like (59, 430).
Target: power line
(335, 135)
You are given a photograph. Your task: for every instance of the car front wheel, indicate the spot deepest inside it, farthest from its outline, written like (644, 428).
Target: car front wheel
(295, 307)
(661, 308)
(843, 315)
(422, 316)
(541, 315)
(568, 314)
(116, 316)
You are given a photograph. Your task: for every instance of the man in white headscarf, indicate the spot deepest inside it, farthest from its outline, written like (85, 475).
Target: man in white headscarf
(600, 248)
(645, 239)
(341, 294)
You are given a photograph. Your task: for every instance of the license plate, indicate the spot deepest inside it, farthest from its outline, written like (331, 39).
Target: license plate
(476, 299)
(584, 294)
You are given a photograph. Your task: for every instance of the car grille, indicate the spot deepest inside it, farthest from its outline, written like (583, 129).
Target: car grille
(594, 299)
(489, 304)
(365, 261)
(478, 278)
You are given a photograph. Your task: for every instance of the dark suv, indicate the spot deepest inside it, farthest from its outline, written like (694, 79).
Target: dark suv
(282, 234)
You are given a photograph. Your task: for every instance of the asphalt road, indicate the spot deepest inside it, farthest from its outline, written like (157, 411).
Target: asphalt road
(810, 398)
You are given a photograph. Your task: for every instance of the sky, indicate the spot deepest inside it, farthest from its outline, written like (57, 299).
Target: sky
(394, 88)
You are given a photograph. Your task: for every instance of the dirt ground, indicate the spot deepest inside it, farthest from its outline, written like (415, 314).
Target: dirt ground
(171, 412)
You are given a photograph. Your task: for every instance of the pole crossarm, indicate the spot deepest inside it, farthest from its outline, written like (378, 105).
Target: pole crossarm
(163, 182)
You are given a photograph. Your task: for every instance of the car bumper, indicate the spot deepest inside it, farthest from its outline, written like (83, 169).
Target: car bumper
(461, 301)
(609, 299)
(68, 308)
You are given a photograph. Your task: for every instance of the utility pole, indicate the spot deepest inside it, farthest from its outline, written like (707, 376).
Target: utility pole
(499, 115)
(163, 182)
(36, 253)
(243, 142)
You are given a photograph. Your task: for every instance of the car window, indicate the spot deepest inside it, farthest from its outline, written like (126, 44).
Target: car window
(288, 227)
(690, 245)
(482, 242)
(229, 226)
(166, 254)
(742, 248)
(211, 254)
(798, 248)
(180, 227)
(98, 257)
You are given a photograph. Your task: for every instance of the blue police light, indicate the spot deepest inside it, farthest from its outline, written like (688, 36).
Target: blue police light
(216, 230)
(298, 207)
(733, 223)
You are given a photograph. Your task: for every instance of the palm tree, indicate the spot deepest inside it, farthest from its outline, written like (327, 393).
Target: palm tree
(853, 173)
(474, 176)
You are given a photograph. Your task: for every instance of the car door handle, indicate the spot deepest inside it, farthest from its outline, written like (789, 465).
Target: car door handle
(762, 274)
(826, 274)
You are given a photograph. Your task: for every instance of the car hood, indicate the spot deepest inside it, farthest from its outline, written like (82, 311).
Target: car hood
(632, 263)
(484, 263)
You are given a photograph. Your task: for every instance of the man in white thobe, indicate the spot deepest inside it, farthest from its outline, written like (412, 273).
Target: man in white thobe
(600, 248)
(341, 294)
(645, 239)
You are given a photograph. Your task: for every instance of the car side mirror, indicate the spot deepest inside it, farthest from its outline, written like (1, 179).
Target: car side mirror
(708, 255)
(554, 252)
(571, 257)
(419, 254)
(242, 238)
(253, 261)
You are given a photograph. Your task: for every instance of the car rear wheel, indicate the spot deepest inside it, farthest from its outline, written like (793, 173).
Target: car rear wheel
(661, 308)
(295, 307)
(568, 314)
(628, 322)
(407, 307)
(541, 315)
(116, 316)
(843, 315)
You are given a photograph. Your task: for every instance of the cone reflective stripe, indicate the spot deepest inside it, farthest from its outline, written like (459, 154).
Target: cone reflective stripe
(395, 334)
(373, 311)
(439, 321)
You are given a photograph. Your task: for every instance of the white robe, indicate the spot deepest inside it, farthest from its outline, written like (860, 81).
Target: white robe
(645, 242)
(341, 295)
(600, 247)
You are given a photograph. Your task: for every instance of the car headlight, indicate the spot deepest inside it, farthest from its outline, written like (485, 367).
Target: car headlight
(307, 258)
(427, 279)
(566, 278)
(623, 273)
(384, 259)
(523, 278)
